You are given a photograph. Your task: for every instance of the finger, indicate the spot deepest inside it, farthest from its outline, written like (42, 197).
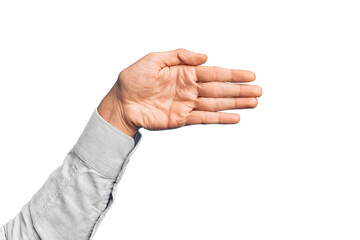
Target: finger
(219, 89)
(218, 74)
(203, 117)
(220, 104)
(180, 57)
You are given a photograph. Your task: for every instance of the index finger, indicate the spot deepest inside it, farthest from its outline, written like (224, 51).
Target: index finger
(219, 74)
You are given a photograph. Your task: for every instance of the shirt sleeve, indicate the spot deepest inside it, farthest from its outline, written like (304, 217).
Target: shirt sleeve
(76, 196)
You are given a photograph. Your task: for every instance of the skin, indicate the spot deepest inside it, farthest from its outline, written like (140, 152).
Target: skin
(165, 90)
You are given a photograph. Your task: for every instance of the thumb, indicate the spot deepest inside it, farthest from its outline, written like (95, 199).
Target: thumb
(181, 57)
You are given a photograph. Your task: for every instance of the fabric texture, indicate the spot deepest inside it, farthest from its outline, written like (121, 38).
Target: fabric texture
(76, 196)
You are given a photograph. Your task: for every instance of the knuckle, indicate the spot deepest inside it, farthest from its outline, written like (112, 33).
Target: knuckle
(216, 90)
(239, 90)
(221, 90)
(203, 118)
(214, 72)
(214, 104)
(200, 88)
(236, 103)
(197, 103)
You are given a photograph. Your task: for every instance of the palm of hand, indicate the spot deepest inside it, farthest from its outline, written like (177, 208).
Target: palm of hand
(158, 98)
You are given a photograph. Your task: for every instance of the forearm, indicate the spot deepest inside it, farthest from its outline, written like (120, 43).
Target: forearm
(77, 195)
(163, 90)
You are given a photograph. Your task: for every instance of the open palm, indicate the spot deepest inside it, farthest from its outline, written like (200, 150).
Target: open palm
(170, 89)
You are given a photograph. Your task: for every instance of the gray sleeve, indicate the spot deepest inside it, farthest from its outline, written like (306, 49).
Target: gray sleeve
(77, 195)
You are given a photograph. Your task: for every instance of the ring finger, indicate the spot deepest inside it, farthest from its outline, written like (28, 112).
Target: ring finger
(220, 104)
(221, 90)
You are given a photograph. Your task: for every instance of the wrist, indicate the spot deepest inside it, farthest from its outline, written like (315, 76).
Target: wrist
(111, 110)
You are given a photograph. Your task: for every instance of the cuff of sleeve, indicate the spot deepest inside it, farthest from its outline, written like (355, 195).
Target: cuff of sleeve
(104, 147)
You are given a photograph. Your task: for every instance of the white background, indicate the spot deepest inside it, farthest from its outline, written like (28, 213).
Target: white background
(289, 170)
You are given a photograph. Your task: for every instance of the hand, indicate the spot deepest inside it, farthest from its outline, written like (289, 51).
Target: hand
(166, 90)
